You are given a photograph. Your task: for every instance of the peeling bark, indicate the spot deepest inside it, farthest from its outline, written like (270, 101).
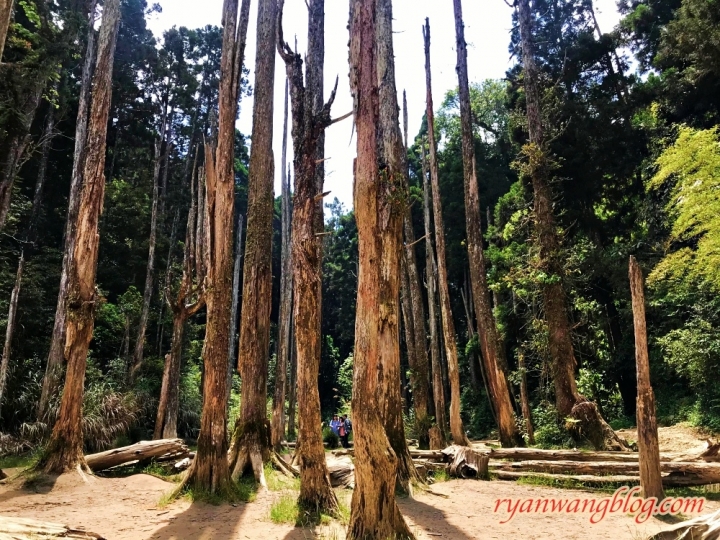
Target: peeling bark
(64, 451)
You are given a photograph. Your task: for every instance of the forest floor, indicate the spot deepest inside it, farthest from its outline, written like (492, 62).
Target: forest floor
(128, 509)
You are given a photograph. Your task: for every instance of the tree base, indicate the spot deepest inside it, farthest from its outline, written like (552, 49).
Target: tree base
(250, 451)
(587, 424)
(60, 458)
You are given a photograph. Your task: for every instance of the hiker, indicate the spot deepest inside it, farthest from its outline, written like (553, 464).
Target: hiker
(335, 425)
(345, 429)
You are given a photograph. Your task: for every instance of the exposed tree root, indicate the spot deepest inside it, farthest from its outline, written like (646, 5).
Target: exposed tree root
(586, 423)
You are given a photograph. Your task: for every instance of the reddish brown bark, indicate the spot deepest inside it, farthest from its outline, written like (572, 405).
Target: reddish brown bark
(374, 512)
(55, 359)
(648, 445)
(210, 470)
(251, 441)
(6, 9)
(65, 448)
(493, 354)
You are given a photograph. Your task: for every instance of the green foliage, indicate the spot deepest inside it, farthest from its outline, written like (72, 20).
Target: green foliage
(285, 510)
(331, 438)
(549, 429)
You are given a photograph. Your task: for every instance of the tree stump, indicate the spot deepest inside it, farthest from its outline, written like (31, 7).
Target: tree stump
(437, 441)
(466, 462)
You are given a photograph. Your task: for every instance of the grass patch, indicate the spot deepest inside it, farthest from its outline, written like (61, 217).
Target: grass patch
(18, 462)
(244, 490)
(711, 493)
(562, 483)
(439, 475)
(285, 510)
(276, 481)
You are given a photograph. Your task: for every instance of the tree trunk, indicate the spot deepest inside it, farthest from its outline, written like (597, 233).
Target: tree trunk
(568, 400)
(209, 470)
(292, 390)
(419, 360)
(6, 9)
(10, 328)
(251, 441)
(64, 451)
(492, 351)
(374, 511)
(525, 399)
(307, 124)
(430, 276)
(55, 359)
(190, 285)
(393, 161)
(235, 309)
(278, 414)
(150, 271)
(648, 445)
(456, 427)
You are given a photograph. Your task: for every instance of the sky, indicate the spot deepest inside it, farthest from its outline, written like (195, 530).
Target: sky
(487, 32)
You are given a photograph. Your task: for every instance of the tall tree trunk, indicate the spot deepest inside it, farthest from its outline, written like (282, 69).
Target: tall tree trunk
(6, 9)
(65, 448)
(316, 492)
(493, 354)
(55, 359)
(374, 511)
(419, 361)
(235, 309)
(150, 271)
(525, 399)
(568, 400)
(191, 286)
(430, 277)
(393, 161)
(456, 426)
(251, 441)
(292, 390)
(48, 135)
(649, 458)
(278, 414)
(10, 328)
(209, 470)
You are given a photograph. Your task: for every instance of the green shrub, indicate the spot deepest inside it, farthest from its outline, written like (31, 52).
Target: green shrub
(331, 438)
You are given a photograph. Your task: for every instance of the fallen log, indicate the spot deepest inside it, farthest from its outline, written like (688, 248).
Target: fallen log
(15, 528)
(700, 528)
(174, 449)
(342, 472)
(712, 453)
(526, 454)
(584, 478)
(436, 455)
(466, 462)
(681, 473)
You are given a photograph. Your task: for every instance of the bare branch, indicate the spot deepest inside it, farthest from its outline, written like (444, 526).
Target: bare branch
(341, 118)
(416, 241)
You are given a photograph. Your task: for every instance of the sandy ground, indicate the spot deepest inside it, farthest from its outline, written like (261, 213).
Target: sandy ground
(126, 509)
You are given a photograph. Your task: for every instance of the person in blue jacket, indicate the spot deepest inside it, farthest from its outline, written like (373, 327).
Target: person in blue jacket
(335, 425)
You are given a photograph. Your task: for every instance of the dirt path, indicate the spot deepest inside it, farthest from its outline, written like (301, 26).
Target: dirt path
(126, 509)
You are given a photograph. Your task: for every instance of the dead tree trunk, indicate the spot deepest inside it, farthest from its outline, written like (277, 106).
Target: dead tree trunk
(235, 309)
(10, 328)
(209, 470)
(189, 300)
(419, 362)
(430, 276)
(65, 448)
(251, 442)
(278, 414)
(568, 400)
(6, 9)
(393, 163)
(448, 325)
(307, 124)
(374, 511)
(492, 351)
(648, 445)
(292, 390)
(160, 161)
(525, 399)
(55, 359)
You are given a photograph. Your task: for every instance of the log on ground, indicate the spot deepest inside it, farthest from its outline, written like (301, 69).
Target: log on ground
(700, 528)
(173, 449)
(466, 462)
(678, 473)
(342, 472)
(713, 451)
(16, 528)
